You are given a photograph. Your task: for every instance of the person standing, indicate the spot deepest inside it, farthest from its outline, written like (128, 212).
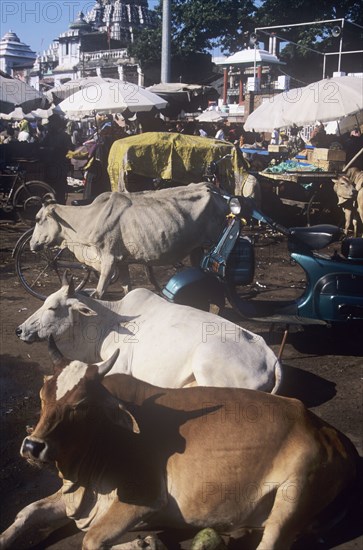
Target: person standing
(220, 133)
(275, 137)
(56, 145)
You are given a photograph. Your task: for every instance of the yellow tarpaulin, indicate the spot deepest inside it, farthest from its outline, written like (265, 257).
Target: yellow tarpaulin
(180, 158)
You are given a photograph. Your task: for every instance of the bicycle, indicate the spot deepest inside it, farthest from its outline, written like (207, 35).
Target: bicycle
(17, 195)
(41, 273)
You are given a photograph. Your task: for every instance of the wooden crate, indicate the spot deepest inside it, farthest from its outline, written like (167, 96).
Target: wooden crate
(330, 165)
(277, 149)
(319, 154)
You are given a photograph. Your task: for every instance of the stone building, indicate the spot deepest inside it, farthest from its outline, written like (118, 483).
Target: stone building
(15, 56)
(95, 44)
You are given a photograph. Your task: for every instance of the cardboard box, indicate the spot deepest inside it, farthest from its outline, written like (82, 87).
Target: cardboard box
(277, 148)
(309, 154)
(328, 154)
(330, 165)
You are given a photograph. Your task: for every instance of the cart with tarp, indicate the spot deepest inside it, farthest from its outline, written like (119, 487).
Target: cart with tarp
(156, 159)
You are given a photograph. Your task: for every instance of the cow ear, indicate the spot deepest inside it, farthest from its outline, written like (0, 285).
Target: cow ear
(56, 355)
(120, 416)
(127, 420)
(83, 309)
(335, 180)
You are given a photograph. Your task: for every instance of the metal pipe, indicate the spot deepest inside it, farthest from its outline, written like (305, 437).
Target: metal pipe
(300, 24)
(225, 85)
(340, 47)
(165, 43)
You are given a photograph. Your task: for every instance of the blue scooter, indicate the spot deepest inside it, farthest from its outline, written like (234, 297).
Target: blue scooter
(334, 283)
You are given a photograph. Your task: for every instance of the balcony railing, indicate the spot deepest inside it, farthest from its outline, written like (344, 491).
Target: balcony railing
(106, 54)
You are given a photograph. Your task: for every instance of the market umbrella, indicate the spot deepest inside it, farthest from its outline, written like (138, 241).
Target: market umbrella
(16, 93)
(107, 98)
(17, 114)
(211, 116)
(46, 113)
(61, 92)
(325, 100)
(269, 115)
(345, 124)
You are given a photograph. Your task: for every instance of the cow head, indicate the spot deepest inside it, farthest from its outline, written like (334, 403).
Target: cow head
(74, 403)
(344, 189)
(47, 230)
(56, 316)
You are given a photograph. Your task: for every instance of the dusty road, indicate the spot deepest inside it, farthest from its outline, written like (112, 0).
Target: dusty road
(322, 368)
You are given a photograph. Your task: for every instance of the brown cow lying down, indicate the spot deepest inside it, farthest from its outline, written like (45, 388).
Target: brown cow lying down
(131, 454)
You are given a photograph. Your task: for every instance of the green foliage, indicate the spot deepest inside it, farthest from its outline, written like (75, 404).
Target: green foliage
(198, 26)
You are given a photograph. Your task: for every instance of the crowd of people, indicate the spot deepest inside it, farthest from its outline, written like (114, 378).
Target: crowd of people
(58, 137)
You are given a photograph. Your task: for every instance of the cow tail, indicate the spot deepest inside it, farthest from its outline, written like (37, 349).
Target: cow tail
(278, 377)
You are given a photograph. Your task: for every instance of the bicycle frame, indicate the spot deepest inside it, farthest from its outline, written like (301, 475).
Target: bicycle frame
(18, 178)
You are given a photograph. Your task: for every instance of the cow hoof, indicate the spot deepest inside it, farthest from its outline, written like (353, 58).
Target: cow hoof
(208, 539)
(152, 542)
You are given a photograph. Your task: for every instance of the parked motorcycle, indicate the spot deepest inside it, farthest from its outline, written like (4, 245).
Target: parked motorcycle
(334, 283)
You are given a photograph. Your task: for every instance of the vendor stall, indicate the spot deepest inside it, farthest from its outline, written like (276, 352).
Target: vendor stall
(305, 189)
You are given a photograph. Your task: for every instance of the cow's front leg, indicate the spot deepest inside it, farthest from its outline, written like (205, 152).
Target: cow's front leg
(108, 267)
(124, 276)
(35, 522)
(119, 519)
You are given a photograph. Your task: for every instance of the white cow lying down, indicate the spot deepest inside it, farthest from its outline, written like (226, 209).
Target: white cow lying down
(164, 344)
(153, 228)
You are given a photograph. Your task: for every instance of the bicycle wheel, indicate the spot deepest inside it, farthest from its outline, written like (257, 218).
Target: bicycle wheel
(41, 273)
(28, 199)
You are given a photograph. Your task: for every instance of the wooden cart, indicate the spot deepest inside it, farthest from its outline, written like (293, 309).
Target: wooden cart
(310, 194)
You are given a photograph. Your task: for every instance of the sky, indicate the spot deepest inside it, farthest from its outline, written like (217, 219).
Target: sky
(38, 22)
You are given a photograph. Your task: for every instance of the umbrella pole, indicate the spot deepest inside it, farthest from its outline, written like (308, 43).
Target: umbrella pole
(96, 123)
(352, 160)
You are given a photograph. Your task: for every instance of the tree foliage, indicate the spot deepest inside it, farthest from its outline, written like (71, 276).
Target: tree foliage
(198, 26)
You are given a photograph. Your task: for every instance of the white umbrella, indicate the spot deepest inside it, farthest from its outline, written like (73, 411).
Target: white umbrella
(46, 113)
(325, 100)
(345, 124)
(269, 115)
(108, 98)
(210, 116)
(73, 86)
(14, 92)
(17, 114)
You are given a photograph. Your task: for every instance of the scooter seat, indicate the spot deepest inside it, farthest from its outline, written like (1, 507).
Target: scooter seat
(81, 202)
(315, 237)
(352, 248)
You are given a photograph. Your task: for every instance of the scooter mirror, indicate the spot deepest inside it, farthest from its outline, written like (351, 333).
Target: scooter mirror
(235, 206)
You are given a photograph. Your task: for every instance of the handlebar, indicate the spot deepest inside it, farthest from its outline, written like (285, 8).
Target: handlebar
(249, 210)
(10, 169)
(212, 167)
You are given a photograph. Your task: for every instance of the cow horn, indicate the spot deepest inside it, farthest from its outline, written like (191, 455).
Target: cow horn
(106, 366)
(48, 198)
(67, 280)
(56, 356)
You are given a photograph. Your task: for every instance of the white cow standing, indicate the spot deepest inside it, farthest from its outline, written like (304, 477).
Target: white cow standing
(164, 344)
(152, 228)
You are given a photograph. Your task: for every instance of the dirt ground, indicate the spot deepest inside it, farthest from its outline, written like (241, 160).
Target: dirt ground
(321, 367)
